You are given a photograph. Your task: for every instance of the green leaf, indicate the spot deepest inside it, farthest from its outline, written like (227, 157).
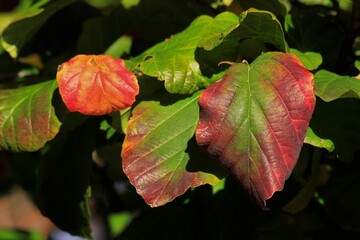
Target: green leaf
(149, 22)
(330, 86)
(227, 51)
(20, 235)
(254, 120)
(357, 64)
(64, 179)
(154, 150)
(312, 139)
(18, 33)
(119, 47)
(173, 60)
(311, 60)
(119, 221)
(261, 25)
(274, 6)
(27, 117)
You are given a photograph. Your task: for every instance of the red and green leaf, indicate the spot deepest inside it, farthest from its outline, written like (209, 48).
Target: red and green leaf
(154, 150)
(27, 117)
(96, 84)
(254, 120)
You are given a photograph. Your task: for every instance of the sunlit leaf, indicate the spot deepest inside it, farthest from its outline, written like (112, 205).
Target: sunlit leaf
(255, 119)
(330, 86)
(27, 117)
(96, 84)
(311, 60)
(312, 139)
(173, 60)
(154, 150)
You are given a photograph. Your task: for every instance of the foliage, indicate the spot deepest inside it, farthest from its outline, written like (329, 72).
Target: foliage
(215, 109)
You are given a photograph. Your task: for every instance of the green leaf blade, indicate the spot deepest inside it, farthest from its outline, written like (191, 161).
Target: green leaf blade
(27, 117)
(312, 139)
(173, 60)
(261, 25)
(154, 157)
(330, 86)
(311, 60)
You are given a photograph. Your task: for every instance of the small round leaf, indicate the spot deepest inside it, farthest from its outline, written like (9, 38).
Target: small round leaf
(96, 84)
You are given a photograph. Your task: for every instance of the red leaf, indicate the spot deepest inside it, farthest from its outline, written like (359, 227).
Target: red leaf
(96, 84)
(254, 120)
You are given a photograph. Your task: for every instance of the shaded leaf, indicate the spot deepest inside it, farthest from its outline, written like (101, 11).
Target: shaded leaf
(160, 224)
(173, 60)
(96, 84)
(312, 139)
(27, 117)
(154, 157)
(254, 120)
(304, 28)
(64, 178)
(261, 25)
(311, 60)
(341, 197)
(330, 86)
(19, 32)
(149, 22)
(338, 121)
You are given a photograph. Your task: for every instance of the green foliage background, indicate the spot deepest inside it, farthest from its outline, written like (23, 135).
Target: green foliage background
(320, 199)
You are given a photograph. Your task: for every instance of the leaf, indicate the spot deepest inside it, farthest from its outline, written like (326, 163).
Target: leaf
(173, 60)
(330, 86)
(96, 84)
(274, 6)
(154, 157)
(119, 47)
(19, 32)
(357, 64)
(261, 25)
(64, 179)
(149, 22)
(338, 121)
(254, 120)
(311, 60)
(27, 117)
(312, 139)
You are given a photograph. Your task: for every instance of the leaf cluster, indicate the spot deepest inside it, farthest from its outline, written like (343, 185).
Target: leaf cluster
(237, 98)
